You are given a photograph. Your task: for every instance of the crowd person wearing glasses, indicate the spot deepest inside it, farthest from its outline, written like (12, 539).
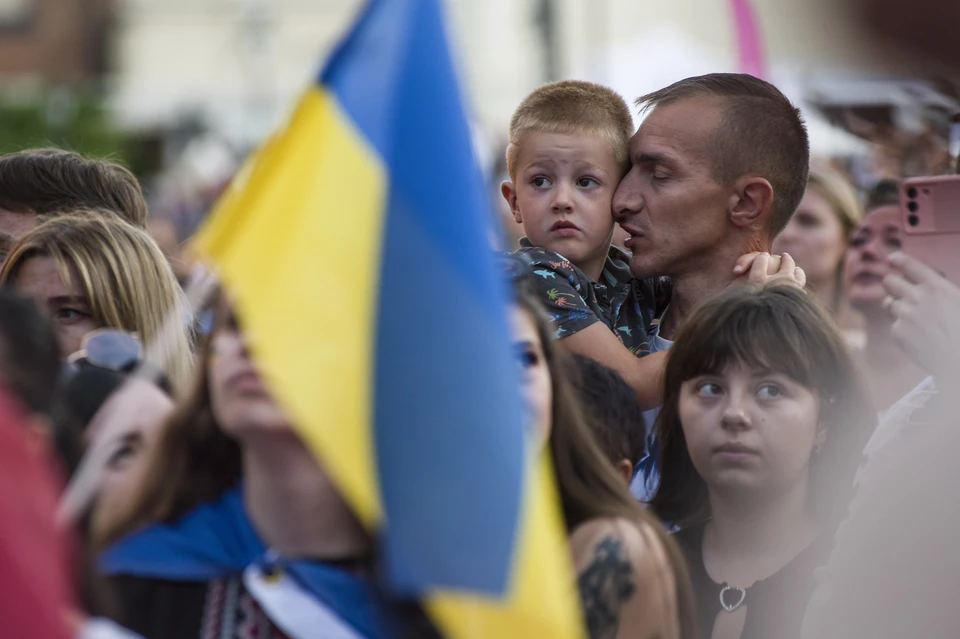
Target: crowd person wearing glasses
(817, 237)
(238, 531)
(37, 184)
(762, 426)
(891, 373)
(92, 270)
(631, 576)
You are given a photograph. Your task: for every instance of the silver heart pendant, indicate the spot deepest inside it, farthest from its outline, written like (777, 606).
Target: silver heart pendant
(732, 607)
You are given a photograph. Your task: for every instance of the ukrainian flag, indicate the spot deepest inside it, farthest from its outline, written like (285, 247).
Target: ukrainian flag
(355, 246)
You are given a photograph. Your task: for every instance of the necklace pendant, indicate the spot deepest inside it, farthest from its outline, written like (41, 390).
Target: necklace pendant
(738, 603)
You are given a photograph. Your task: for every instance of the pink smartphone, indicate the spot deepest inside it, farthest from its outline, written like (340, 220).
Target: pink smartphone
(930, 217)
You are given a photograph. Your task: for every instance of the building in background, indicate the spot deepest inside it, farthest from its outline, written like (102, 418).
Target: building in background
(58, 41)
(181, 89)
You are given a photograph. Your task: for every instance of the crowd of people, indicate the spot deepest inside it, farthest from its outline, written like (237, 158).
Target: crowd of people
(748, 401)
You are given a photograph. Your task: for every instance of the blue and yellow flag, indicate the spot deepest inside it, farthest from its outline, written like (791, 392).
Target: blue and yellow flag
(355, 244)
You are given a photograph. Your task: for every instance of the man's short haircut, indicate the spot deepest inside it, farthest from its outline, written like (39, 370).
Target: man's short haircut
(760, 132)
(611, 409)
(29, 353)
(572, 107)
(51, 182)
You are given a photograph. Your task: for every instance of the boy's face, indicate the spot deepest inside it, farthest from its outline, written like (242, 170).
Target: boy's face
(562, 190)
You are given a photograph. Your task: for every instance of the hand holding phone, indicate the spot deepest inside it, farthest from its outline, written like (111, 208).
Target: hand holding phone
(926, 313)
(930, 218)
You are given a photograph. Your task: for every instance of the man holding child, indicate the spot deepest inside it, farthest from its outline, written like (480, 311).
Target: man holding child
(712, 174)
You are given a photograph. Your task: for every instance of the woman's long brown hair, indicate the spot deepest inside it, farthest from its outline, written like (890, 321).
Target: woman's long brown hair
(779, 329)
(588, 486)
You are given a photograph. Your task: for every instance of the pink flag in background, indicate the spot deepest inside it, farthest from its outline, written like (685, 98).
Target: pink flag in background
(749, 45)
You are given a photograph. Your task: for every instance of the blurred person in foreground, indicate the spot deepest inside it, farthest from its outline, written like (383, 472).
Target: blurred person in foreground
(890, 372)
(817, 237)
(35, 584)
(631, 576)
(90, 270)
(895, 570)
(38, 184)
(237, 529)
(29, 367)
(762, 426)
(98, 388)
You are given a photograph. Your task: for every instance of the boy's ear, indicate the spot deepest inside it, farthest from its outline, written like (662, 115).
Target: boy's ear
(509, 193)
(625, 470)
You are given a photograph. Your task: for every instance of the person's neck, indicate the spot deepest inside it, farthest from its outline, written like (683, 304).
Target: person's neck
(294, 506)
(891, 373)
(749, 540)
(694, 286)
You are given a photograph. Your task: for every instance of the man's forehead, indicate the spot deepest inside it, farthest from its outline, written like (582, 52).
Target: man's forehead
(15, 225)
(684, 125)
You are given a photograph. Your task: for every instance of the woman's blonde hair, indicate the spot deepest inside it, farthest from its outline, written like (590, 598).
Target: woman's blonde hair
(124, 275)
(839, 194)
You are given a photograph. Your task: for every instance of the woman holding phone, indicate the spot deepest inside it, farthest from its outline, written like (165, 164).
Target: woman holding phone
(891, 374)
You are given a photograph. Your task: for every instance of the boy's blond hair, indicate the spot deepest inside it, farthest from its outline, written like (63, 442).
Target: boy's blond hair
(572, 107)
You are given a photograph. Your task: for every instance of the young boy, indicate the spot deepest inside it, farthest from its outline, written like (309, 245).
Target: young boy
(568, 150)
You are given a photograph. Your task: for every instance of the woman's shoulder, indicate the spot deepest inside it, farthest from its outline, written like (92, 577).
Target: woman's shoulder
(618, 540)
(626, 581)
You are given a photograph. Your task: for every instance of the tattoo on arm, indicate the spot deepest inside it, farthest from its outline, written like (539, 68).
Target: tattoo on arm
(605, 584)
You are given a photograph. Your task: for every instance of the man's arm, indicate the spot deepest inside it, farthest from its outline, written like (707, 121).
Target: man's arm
(643, 374)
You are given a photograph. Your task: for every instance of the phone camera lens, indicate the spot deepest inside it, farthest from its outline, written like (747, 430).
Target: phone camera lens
(912, 207)
(913, 220)
(911, 192)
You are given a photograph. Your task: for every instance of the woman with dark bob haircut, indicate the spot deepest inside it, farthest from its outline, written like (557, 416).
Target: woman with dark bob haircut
(763, 424)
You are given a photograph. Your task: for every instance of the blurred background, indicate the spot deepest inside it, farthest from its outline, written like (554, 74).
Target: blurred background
(180, 90)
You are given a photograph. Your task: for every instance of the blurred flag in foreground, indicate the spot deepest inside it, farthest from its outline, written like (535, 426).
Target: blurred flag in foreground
(354, 244)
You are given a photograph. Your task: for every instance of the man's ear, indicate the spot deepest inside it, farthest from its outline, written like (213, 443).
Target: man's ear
(509, 193)
(625, 470)
(751, 203)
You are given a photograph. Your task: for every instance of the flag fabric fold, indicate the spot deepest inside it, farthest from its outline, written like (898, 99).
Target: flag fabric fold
(354, 245)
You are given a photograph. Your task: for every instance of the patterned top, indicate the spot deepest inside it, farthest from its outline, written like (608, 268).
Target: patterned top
(171, 609)
(574, 301)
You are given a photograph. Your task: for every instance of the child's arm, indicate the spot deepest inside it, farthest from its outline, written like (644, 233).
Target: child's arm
(643, 374)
